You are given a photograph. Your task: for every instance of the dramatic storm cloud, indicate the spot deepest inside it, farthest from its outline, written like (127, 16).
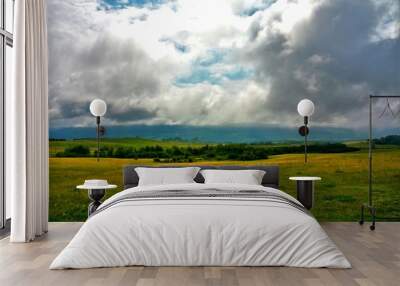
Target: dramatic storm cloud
(221, 62)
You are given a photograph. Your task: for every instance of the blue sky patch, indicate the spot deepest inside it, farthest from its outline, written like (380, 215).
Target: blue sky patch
(212, 57)
(205, 75)
(202, 70)
(252, 10)
(239, 74)
(122, 4)
(198, 75)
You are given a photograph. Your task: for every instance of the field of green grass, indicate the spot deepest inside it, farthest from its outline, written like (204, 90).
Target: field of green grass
(339, 195)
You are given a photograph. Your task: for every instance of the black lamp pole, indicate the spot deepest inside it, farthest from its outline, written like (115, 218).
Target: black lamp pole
(98, 137)
(303, 131)
(305, 138)
(98, 108)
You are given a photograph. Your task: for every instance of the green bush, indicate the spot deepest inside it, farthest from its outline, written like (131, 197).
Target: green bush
(75, 151)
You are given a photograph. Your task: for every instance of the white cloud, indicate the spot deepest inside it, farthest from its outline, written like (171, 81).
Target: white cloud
(249, 61)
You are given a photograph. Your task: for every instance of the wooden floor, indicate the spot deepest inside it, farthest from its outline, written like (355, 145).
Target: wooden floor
(375, 257)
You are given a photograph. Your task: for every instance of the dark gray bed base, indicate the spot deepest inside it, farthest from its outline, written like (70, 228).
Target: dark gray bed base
(271, 177)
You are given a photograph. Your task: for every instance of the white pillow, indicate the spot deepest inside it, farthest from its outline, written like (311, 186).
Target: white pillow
(248, 177)
(165, 176)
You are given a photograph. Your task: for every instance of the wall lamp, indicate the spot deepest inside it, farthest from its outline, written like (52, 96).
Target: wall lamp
(98, 108)
(305, 108)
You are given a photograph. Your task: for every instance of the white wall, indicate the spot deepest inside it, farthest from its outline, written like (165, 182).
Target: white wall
(8, 80)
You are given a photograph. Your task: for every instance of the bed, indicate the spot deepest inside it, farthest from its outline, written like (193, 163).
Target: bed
(199, 224)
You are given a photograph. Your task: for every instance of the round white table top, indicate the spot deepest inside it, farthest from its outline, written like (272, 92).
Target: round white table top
(87, 187)
(305, 178)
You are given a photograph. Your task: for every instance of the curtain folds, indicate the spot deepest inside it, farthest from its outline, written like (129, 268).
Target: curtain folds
(28, 123)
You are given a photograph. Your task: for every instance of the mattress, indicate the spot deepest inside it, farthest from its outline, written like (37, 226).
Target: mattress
(201, 225)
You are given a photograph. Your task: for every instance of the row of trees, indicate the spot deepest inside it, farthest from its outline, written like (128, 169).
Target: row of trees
(388, 140)
(241, 152)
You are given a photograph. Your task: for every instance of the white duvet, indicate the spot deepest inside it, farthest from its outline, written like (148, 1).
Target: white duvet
(200, 231)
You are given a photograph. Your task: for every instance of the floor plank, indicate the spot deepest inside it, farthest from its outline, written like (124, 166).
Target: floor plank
(375, 257)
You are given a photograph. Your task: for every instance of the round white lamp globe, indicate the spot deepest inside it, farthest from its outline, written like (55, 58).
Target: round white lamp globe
(98, 107)
(305, 107)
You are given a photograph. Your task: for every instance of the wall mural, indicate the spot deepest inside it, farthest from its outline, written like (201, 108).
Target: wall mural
(181, 77)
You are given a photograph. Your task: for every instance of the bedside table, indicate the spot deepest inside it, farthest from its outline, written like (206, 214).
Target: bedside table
(96, 191)
(305, 190)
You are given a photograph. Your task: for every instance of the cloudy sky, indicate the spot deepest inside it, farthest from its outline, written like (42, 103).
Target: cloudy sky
(221, 62)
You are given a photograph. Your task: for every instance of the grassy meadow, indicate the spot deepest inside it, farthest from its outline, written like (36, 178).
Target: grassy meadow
(339, 195)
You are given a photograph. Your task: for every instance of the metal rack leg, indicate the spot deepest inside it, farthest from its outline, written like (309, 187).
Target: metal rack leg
(361, 222)
(373, 214)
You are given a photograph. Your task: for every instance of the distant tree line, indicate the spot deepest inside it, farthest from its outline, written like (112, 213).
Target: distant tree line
(388, 140)
(75, 151)
(220, 152)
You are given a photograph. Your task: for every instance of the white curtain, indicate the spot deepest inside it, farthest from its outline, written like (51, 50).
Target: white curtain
(27, 123)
